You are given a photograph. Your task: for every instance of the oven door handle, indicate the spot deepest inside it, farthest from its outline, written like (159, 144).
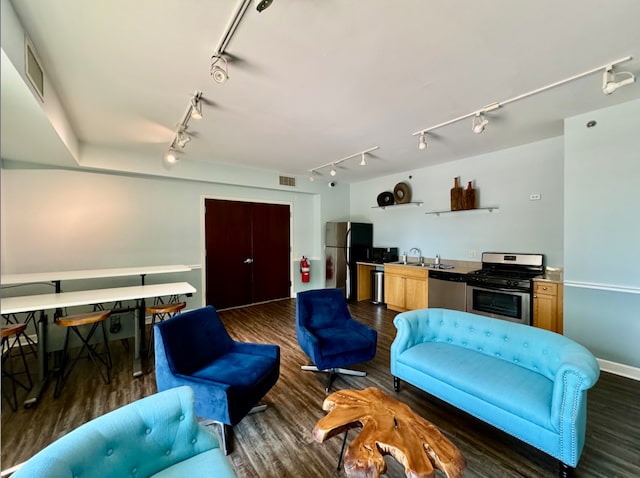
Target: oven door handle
(498, 289)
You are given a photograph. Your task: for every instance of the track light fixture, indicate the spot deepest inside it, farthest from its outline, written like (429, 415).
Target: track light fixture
(479, 122)
(171, 156)
(610, 83)
(219, 68)
(422, 142)
(181, 138)
(334, 164)
(196, 107)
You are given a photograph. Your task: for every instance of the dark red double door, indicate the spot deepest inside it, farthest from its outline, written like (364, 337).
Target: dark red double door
(248, 252)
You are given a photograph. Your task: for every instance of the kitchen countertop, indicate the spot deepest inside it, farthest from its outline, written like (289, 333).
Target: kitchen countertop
(460, 267)
(552, 274)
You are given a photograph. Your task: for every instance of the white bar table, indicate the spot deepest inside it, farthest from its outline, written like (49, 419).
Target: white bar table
(43, 302)
(57, 276)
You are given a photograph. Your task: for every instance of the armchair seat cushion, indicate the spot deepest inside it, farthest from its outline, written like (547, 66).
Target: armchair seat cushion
(335, 341)
(237, 369)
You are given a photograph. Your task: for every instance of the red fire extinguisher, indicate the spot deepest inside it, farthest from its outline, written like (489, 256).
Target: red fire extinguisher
(305, 269)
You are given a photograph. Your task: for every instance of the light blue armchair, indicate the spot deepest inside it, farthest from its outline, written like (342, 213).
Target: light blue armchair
(157, 436)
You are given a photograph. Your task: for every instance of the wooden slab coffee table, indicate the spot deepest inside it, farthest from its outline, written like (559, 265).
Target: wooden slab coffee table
(389, 427)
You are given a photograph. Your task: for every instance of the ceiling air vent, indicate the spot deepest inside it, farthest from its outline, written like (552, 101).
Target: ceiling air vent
(287, 181)
(33, 70)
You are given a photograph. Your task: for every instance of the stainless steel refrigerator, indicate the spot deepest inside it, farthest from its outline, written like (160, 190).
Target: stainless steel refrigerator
(345, 244)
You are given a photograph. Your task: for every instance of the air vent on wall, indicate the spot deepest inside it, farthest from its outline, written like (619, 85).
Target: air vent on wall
(287, 181)
(33, 70)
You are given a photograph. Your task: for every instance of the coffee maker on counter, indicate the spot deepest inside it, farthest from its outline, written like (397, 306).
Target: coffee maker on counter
(380, 255)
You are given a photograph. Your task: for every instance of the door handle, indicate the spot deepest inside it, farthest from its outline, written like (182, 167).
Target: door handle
(248, 260)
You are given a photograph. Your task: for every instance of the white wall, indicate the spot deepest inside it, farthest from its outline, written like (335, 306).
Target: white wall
(56, 219)
(504, 178)
(602, 235)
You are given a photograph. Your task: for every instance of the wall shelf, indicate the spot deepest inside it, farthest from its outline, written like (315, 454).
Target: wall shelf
(414, 203)
(479, 209)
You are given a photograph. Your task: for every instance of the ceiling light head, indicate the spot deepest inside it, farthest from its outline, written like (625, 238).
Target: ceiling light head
(333, 171)
(182, 138)
(609, 83)
(312, 175)
(363, 161)
(479, 122)
(171, 156)
(422, 142)
(219, 68)
(196, 108)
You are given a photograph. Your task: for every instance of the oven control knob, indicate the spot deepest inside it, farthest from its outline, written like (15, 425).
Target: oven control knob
(512, 283)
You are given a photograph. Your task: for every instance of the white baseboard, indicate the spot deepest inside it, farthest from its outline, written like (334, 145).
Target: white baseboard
(619, 369)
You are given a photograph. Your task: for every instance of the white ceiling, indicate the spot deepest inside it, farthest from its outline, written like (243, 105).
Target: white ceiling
(314, 81)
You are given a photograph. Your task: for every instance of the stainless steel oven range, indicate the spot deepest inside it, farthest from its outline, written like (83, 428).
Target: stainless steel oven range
(503, 288)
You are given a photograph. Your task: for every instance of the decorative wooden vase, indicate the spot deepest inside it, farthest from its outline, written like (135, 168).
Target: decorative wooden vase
(456, 196)
(469, 197)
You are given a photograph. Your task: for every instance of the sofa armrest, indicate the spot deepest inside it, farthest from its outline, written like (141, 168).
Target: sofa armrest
(578, 372)
(409, 326)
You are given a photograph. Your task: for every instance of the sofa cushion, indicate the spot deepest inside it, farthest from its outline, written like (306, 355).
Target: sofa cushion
(210, 463)
(513, 388)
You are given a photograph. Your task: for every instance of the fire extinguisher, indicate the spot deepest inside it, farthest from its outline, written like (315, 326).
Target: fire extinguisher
(305, 269)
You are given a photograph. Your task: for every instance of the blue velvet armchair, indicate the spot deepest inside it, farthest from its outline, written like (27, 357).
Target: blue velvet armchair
(330, 336)
(228, 378)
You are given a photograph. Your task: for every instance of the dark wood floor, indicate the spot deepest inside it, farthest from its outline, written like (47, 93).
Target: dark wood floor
(278, 442)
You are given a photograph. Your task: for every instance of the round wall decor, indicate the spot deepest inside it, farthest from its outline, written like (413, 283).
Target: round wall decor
(402, 193)
(385, 199)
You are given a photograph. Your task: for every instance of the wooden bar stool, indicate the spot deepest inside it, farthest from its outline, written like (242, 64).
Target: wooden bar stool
(10, 338)
(159, 312)
(73, 322)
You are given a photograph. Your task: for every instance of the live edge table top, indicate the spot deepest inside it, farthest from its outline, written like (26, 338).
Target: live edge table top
(389, 427)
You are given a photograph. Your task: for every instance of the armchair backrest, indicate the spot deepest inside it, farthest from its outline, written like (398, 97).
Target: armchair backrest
(134, 437)
(321, 309)
(193, 339)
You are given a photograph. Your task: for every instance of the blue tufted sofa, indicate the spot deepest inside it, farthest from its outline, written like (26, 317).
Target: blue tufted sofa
(528, 382)
(157, 436)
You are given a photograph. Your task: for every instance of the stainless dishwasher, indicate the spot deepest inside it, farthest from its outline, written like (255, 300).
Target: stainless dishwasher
(447, 290)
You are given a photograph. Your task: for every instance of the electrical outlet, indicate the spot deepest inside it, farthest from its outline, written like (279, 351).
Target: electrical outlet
(471, 254)
(535, 197)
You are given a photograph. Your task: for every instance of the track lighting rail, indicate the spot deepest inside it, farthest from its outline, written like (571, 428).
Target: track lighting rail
(609, 85)
(182, 137)
(314, 171)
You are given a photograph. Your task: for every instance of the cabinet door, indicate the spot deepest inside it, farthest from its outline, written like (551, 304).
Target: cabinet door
(544, 312)
(394, 290)
(415, 293)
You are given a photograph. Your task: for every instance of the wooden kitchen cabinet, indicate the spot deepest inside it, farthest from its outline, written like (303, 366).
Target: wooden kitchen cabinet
(548, 306)
(405, 287)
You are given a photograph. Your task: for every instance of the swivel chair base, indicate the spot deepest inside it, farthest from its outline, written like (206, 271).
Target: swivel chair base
(332, 373)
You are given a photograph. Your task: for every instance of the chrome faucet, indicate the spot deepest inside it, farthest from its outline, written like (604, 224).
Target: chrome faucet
(420, 258)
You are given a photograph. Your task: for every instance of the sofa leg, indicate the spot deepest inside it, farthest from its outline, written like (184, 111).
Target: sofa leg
(565, 471)
(396, 384)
